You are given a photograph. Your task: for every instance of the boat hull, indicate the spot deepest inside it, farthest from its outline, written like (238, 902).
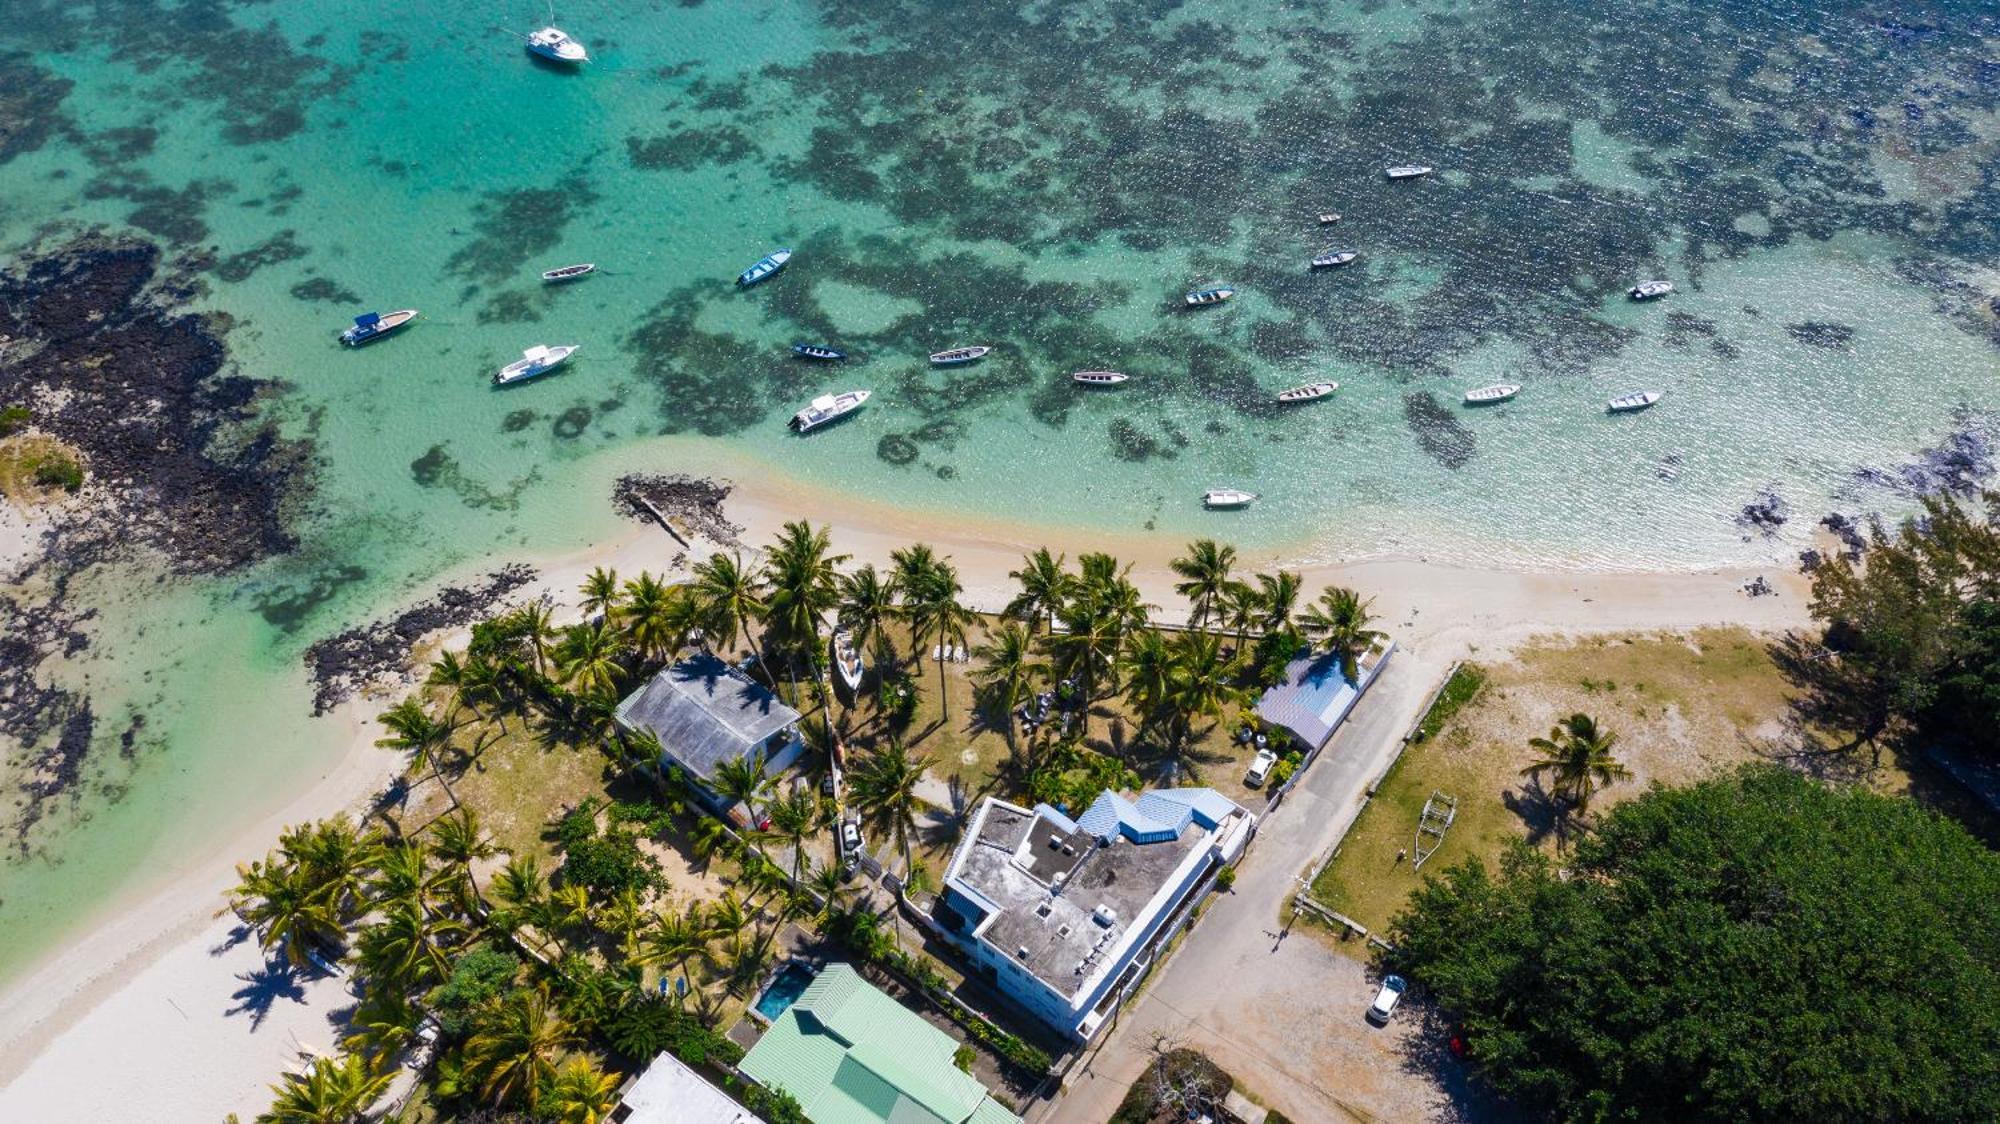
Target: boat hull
(387, 326)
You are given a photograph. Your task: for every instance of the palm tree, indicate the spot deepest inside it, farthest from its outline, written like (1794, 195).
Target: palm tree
(1578, 756)
(794, 818)
(1148, 670)
(1045, 588)
(1087, 648)
(332, 1091)
(334, 858)
(801, 571)
(623, 917)
(458, 842)
(867, 602)
(285, 907)
(1339, 619)
(725, 916)
(884, 788)
(672, 938)
(413, 730)
(569, 908)
(1198, 687)
(519, 884)
(589, 659)
(935, 610)
(383, 1024)
(402, 874)
(600, 592)
(1278, 600)
(514, 1045)
(1206, 570)
(407, 946)
(830, 884)
(1240, 609)
(579, 1093)
(1008, 672)
(727, 592)
(447, 674)
(648, 616)
(537, 628)
(743, 781)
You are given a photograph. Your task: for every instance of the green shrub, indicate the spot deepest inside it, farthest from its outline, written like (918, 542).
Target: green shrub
(13, 420)
(608, 861)
(58, 470)
(963, 1056)
(1225, 879)
(1465, 682)
(481, 974)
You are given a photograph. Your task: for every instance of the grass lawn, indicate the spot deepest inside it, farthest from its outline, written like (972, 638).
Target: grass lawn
(1684, 707)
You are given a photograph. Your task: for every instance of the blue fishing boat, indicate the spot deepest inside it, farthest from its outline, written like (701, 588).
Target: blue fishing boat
(765, 267)
(1201, 297)
(371, 326)
(815, 351)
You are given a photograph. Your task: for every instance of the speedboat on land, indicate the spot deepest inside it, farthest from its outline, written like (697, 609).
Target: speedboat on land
(827, 408)
(535, 362)
(555, 45)
(815, 351)
(1308, 392)
(1626, 403)
(1098, 378)
(1491, 395)
(765, 267)
(1650, 290)
(1222, 499)
(1328, 218)
(568, 273)
(1407, 171)
(959, 355)
(371, 326)
(1332, 258)
(846, 660)
(1200, 297)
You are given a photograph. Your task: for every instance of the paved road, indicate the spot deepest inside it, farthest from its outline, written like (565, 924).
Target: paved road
(1281, 1011)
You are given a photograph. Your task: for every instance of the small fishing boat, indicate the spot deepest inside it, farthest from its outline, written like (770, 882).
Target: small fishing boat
(1407, 171)
(568, 273)
(765, 267)
(535, 362)
(1491, 395)
(1328, 218)
(1224, 499)
(1627, 403)
(846, 660)
(371, 326)
(1199, 297)
(815, 351)
(1331, 258)
(1308, 392)
(1099, 378)
(827, 408)
(1650, 290)
(555, 45)
(959, 355)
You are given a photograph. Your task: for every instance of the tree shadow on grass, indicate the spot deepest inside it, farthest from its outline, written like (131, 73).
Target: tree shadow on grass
(1544, 815)
(263, 987)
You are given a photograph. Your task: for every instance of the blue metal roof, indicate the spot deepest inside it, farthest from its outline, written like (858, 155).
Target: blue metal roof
(1158, 817)
(1312, 700)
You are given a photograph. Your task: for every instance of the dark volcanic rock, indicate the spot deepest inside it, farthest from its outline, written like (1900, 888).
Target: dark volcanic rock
(344, 663)
(696, 502)
(1766, 513)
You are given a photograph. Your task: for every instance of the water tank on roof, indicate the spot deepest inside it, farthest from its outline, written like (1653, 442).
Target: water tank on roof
(1104, 915)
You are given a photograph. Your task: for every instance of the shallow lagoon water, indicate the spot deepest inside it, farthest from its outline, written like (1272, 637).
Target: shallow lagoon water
(1046, 179)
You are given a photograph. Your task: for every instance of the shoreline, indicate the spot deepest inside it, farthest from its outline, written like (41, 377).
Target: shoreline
(87, 999)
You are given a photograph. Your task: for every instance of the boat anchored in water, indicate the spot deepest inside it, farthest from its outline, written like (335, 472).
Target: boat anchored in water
(1098, 378)
(371, 326)
(568, 273)
(1407, 171)
(1217, 295)
(1331, 258)
(555, 45)
(535, 362)
(1650, 290)
(766, 266)
(1308, 392)
(815, 351)
(1328, 218)
(827, 408)
(1491, 395)
(1627, 403)
(1223, 499)
(959, 355)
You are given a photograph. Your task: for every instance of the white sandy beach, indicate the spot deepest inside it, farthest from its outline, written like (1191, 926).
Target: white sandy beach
(155, 1014)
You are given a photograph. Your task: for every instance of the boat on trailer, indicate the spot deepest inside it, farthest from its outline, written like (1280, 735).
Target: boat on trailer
(1627, 403)
(1407, 171)
(959, 355)
(1099, 378)
(1226, 499)
(568, 273)
(828, 408)
(371, 326)
(535, 362)
(1650, 290)
(1217, 295)
(1491, 395)
(1332, 258)
(815, 351)
(847, 659)
(1308, 392)
(556, 45)
(766, 266)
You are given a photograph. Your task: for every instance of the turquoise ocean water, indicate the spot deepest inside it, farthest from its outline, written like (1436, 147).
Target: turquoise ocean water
(1817, 178)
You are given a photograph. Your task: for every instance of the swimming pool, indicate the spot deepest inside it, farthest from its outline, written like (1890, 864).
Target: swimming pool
(785, 989)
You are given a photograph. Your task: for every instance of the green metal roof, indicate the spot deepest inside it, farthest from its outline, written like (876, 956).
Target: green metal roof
(851, 1055)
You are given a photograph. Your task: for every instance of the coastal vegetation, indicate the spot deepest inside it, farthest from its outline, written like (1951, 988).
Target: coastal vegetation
(35, 468)
(1756, 946)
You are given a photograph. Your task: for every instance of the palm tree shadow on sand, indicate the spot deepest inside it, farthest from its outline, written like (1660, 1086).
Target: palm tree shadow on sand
(263, 987)
(1545, 816)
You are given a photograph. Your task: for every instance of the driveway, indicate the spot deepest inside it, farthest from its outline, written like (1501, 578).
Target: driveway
(1280, 1010)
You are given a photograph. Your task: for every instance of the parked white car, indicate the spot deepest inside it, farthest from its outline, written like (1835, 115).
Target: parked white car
(1260, 768)
(1386, 999)
(850, 838)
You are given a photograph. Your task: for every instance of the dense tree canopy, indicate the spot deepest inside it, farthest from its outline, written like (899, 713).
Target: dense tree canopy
(1755, 947)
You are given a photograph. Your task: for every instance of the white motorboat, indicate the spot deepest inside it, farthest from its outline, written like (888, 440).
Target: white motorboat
(535, 362)
(1099, 378)
(1217, 295)
(959, 355)
(1626, 403)
(568, 273)
(371, 326)
(555, 45)
(1332, 258)
(828, 408)
(766, 266)
(1328, 218)
(847, 660)
(1650, 290)
(1491, 395)
(1222, 499)
(1407, 171)
(1308, 392)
